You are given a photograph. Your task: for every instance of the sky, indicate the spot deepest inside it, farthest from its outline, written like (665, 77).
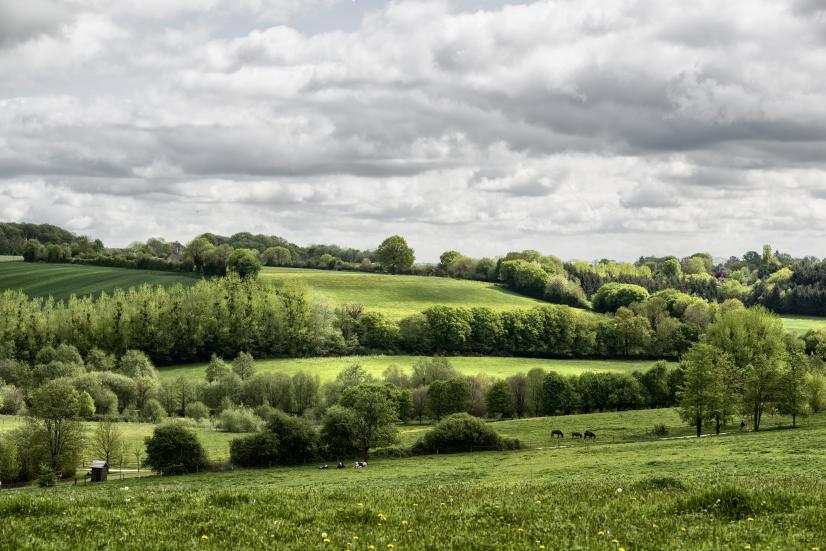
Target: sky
(581, 128)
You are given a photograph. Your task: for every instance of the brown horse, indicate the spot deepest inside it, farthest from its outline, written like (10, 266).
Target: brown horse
(576, 435)
(556, 433)
(589, 434)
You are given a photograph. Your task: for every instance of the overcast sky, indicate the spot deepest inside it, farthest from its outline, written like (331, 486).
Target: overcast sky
(582, 128)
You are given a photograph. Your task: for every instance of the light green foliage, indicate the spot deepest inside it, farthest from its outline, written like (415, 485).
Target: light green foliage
(244, 262)
(612, 296)
(375, 417)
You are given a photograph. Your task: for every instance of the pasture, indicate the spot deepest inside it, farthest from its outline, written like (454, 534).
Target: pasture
(328, 368)
(60, 281)
(799, 325)
(7, 258)
(397, 296)
(739, 491)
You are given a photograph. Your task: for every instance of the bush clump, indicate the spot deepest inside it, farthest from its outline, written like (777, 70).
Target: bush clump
(462, 432)
(239, 420)
(174, 449)
(286, 440)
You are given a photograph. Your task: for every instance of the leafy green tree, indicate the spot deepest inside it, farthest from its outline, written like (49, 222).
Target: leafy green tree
(305, 389)
(135, 363)
(695, 265)
(196, 411)
(419, 402)
(338, 432)
(9, 460)
(792, 387)
(558, 394)
(216, 368)
(754, 339)
(244, 262)
(446, 397)
(32, 250)
(277, 256)
(704, 386)
(173, 449)
(394, 255)
(244, 365)
(459, 433)
(58, 406)
(612, 296)
(671, 267)
(376, 416)
(427, 370)
(197, 250)
(500, 400)
(631, 334)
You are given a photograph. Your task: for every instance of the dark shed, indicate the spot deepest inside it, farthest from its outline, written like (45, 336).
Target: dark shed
(99, 471)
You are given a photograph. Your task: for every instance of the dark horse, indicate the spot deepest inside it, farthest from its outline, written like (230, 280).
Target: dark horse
(576, 435)
(589, 434)
(556, 433)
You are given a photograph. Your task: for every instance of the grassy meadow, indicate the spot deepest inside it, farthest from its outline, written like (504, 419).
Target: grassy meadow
(328, 368)
(63, 280)
(7, 258)
(801, 324)
(737, 491)
(395, 295)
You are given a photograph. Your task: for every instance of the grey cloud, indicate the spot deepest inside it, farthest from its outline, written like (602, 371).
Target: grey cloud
(28, 19)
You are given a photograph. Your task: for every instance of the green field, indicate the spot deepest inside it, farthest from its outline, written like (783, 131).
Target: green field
(63, 280)
(7, 258)
(801, 324)
(397, 296)
(740, 491)
(328, 368)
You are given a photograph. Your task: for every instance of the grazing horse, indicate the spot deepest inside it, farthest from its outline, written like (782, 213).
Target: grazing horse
(556, 433)
(576, 435)
(589, 434)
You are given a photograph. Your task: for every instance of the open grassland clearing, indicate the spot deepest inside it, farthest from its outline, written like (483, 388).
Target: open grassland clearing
(7, 258)
(328, 368)
(395, 295)
(742, 491)
(63, 280)
(799, 325)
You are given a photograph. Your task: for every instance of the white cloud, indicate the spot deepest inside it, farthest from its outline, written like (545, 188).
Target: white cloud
(582, 128)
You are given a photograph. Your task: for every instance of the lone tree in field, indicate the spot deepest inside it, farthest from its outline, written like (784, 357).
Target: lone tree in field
(703, 393)
(395, 256)
(107, 440)
(375, 418)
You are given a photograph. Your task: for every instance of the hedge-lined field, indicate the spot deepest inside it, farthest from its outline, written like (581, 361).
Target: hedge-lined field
(740, 491)
(328, 368)
(394, 295)
(63, 280)
(7, 258)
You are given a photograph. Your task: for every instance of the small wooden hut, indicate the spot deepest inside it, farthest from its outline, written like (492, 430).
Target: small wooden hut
(99, 471)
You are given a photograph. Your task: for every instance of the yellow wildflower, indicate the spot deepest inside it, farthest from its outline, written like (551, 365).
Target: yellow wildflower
(326, 540)
(747, 546)
(538, 502)
(390, 546)
(520, 530)
(615, 541)
(600, 533)
(750, 519)
(359, 504)
(682, 529)
(205, 537)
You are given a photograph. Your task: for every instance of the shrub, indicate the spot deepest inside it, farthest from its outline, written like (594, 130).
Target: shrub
(462, 432)
(173, 449)
(239, 420)
(257, 450)
(660, 430)
(46, 477)
(298, 438)
(196, 411)
(611, 296)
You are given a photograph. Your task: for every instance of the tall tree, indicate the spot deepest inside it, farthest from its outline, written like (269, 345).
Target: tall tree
(500, 400)
(703, 388)
(792, 395)
(394, 255)
(107, 440)
(58, 406)
(376, 416)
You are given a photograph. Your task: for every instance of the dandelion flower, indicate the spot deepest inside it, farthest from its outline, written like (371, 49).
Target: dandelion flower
(538, 502)
(359, 504)
(682, 529)
(326, 540)
(390, 546)
(615, 541)
(371, 547)
(619, 490)
(324, 534)
(404, 522)
(654, 525)
(749, 519)
(542, 547)
(621, 549)
(520, 530)
(600, 533)
(409, 531)
(747, 546)
(205, 537)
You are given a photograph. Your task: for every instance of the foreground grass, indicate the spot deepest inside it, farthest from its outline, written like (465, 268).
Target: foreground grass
(60, 281)
(328, 368)
(397, 296)
(744, 491)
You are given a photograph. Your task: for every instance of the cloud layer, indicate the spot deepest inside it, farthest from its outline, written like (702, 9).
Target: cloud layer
(583, 128)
